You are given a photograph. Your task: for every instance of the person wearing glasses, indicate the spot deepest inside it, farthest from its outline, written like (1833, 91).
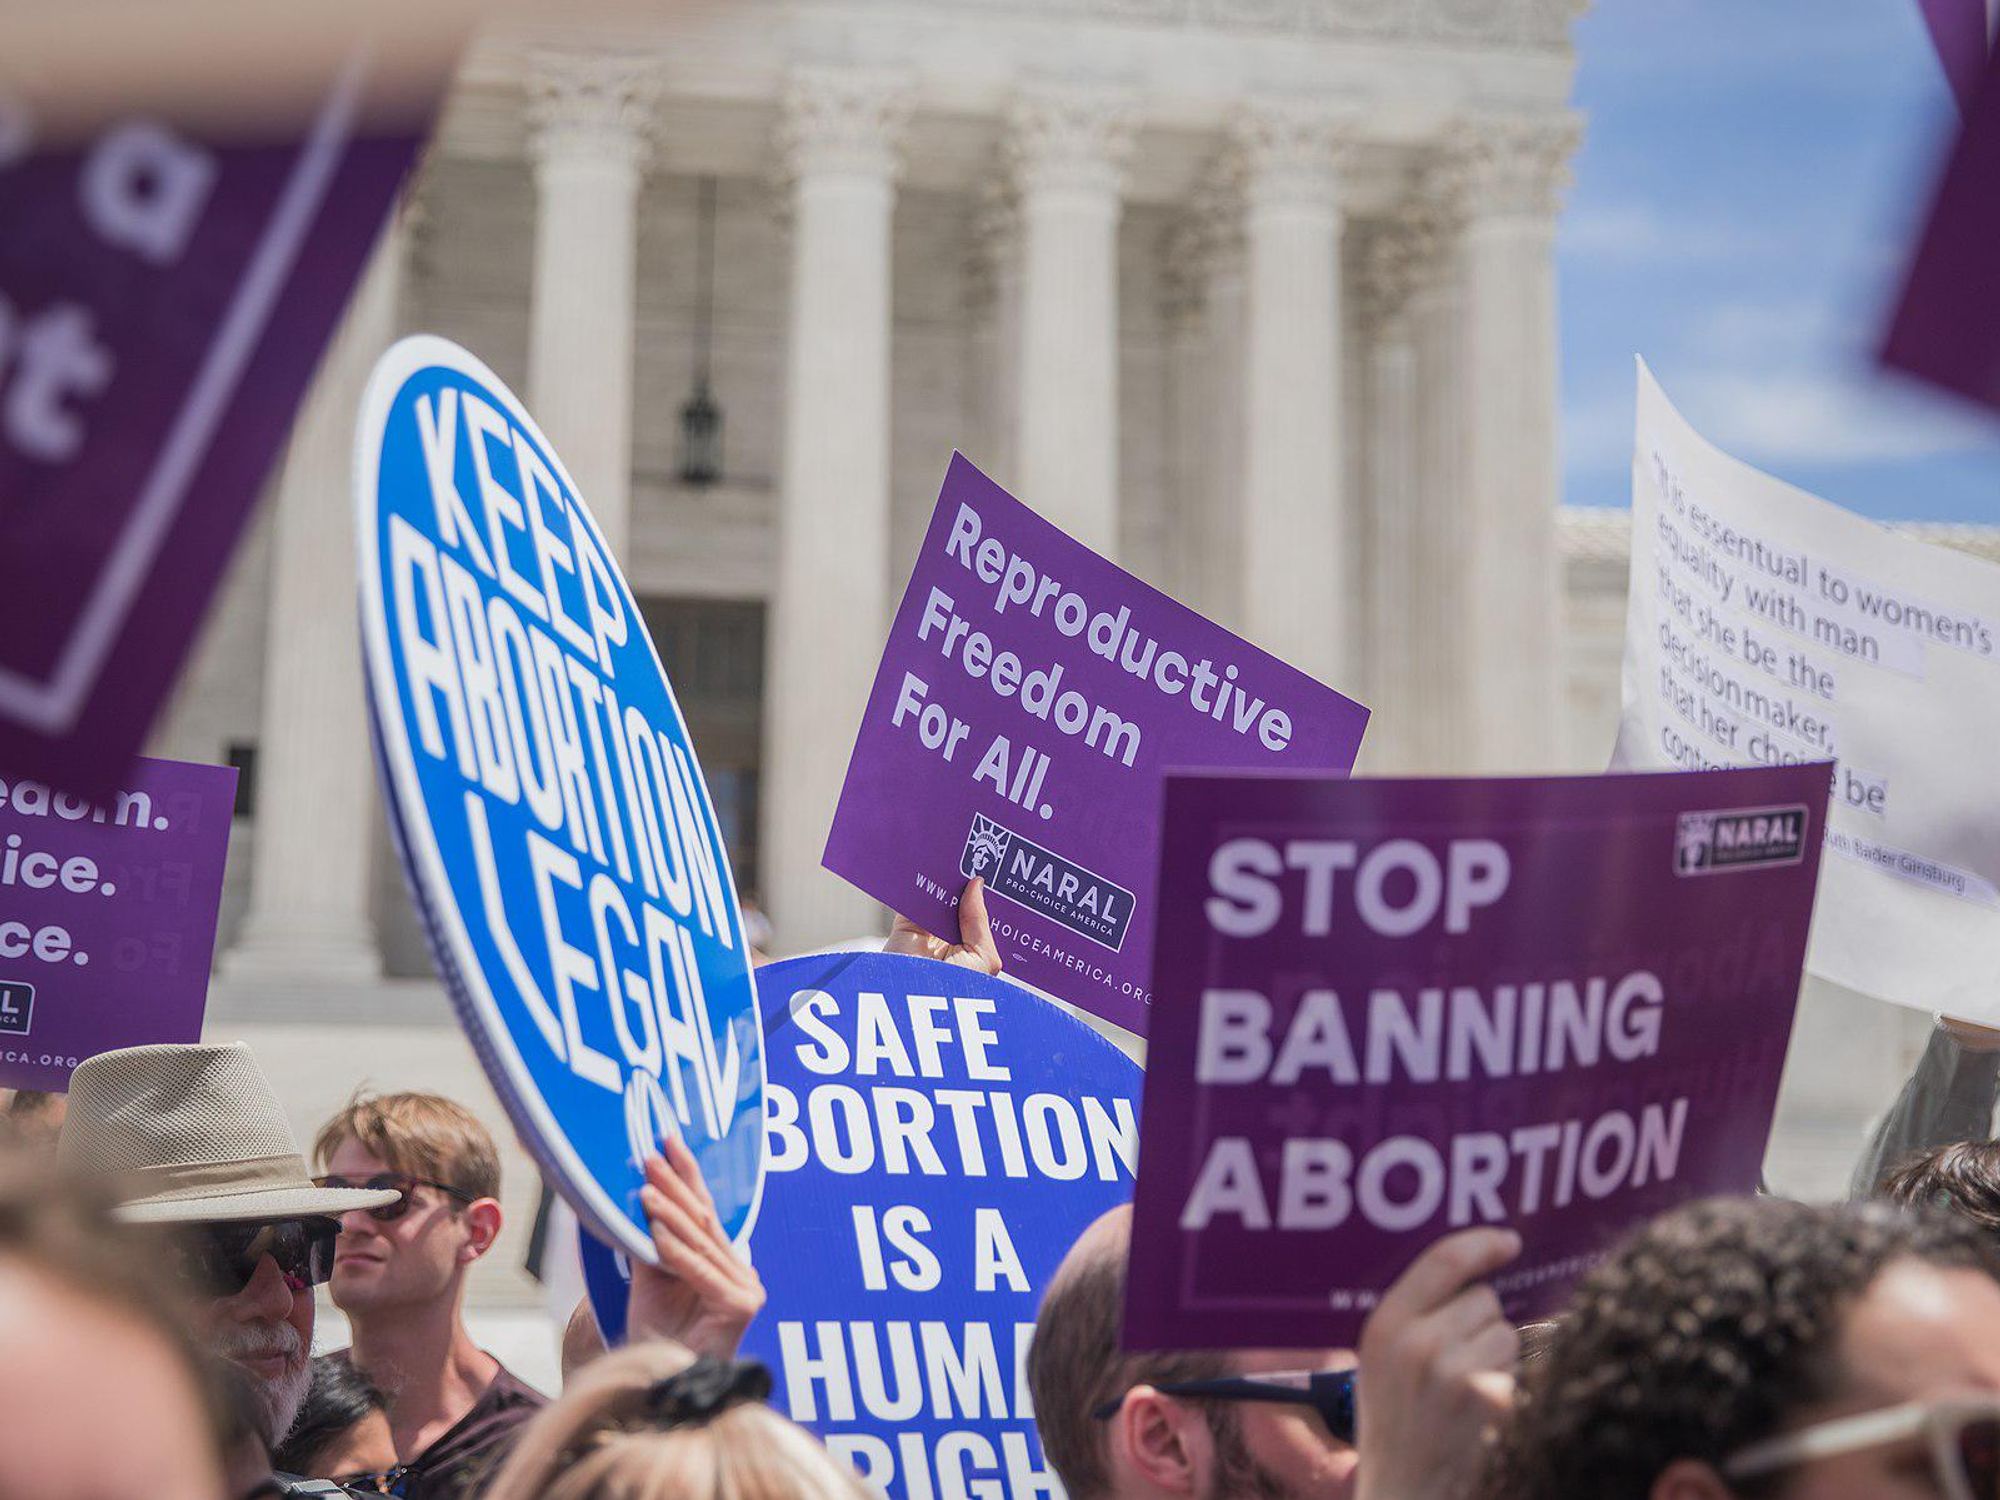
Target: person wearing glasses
(1745, 1348)
(400, 1271)
(194, 1149)
(1407, 1417)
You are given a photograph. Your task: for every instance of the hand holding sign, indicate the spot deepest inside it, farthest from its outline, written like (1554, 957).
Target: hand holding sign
(975, 948)
(702, 1293)
(1437, 1371)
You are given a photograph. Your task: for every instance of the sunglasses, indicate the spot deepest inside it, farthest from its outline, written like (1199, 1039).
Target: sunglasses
(375, 1482)
(1328, 1392)
(1961, 1437)
(399, 1183)
(220, 1259)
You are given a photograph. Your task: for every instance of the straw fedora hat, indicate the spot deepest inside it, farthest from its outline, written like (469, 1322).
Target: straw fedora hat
(192, 1135)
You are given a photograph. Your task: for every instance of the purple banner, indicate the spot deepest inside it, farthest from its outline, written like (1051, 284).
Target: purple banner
(107, 915)
(164, 297)
(1958, 31)
(1393, 1009)
(1030, 699)
(1947, 325)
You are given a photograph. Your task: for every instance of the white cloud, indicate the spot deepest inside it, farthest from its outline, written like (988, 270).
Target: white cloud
(1781, 419)
(1778, 417)
(1638, 233)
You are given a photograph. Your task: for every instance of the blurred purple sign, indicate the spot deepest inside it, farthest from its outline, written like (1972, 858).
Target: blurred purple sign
(164, 298)
(1030, 699)
(1946, 327)
(107, 915)
(1392, 1009)
(1959, 31)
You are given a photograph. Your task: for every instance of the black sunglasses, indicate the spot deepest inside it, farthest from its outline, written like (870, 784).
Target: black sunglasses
(399, 1183)
(375, 1482)
(220, 1259)
(1328, 1392)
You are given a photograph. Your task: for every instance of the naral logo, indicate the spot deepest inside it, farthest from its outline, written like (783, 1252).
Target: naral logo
(1042, 880)
(17, 1007)
(1743, 838)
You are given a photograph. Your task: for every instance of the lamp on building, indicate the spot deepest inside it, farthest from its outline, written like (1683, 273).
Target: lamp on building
(701, 418)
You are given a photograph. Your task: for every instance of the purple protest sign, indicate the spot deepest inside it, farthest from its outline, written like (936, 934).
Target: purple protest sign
(107, 915)
(1958, 30)
(1030, 699)
(1945, 328)
(165, 292)
(1392, 1009)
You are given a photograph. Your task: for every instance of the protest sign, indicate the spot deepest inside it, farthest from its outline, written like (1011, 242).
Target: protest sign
(937, 1140)
(107, 915)
(1961, 31)
(1944, 329)
(1030, 697)
(554, 825)
(165, 291)
(1393, 1009)
(1766, 626)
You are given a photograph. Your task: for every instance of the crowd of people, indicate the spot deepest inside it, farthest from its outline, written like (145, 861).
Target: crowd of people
(162, 1234)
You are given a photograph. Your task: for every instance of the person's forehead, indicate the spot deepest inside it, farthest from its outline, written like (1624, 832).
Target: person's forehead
(1265, 1361)
(352, 1159)
(1920, 1332)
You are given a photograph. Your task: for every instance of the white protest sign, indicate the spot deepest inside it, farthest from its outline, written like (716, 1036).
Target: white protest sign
(1768, 627)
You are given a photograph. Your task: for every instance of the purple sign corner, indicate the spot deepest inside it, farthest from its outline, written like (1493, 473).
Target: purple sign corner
(1030, 699)
(107, 929)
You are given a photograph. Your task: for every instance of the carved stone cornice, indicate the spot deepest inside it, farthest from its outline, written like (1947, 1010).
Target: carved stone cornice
(991, 246)
(1394, 257)
(1063, 138)
(590, 106)
(847, 121)
(1289, 153)
(1537, 24)
(1510, 164)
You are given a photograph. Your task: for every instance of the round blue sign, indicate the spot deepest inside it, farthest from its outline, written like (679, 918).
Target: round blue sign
(937, 1140)
(554, 824)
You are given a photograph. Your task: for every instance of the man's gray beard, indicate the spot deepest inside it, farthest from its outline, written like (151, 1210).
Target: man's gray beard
(279, 1400)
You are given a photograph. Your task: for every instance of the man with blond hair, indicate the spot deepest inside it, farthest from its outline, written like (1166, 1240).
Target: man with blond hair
(399, 1273)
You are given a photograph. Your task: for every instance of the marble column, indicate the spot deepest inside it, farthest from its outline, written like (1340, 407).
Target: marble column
(838, 141)
(993, 319)
(308, 917)
(1294, 518)
(1394, 587)
(1509, 172)
(1440, 733)
(1218, 223)
(1065, 152)
(589, 116)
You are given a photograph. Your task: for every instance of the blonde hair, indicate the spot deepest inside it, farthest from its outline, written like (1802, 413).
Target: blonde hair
(599, 1442)
(425, 1135)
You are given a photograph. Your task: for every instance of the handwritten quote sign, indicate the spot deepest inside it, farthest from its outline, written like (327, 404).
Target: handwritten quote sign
(1766, 626)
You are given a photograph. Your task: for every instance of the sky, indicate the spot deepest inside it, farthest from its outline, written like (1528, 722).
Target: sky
(1750, 180)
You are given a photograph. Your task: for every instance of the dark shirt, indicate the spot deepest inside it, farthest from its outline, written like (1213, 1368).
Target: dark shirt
(461, 1461)
(457, 1465)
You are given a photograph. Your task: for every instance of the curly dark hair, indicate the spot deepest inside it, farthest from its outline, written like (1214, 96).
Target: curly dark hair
(1962, 1178)
(1701, 1334)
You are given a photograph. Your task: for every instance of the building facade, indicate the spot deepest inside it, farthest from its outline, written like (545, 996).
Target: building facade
(1255, 296)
